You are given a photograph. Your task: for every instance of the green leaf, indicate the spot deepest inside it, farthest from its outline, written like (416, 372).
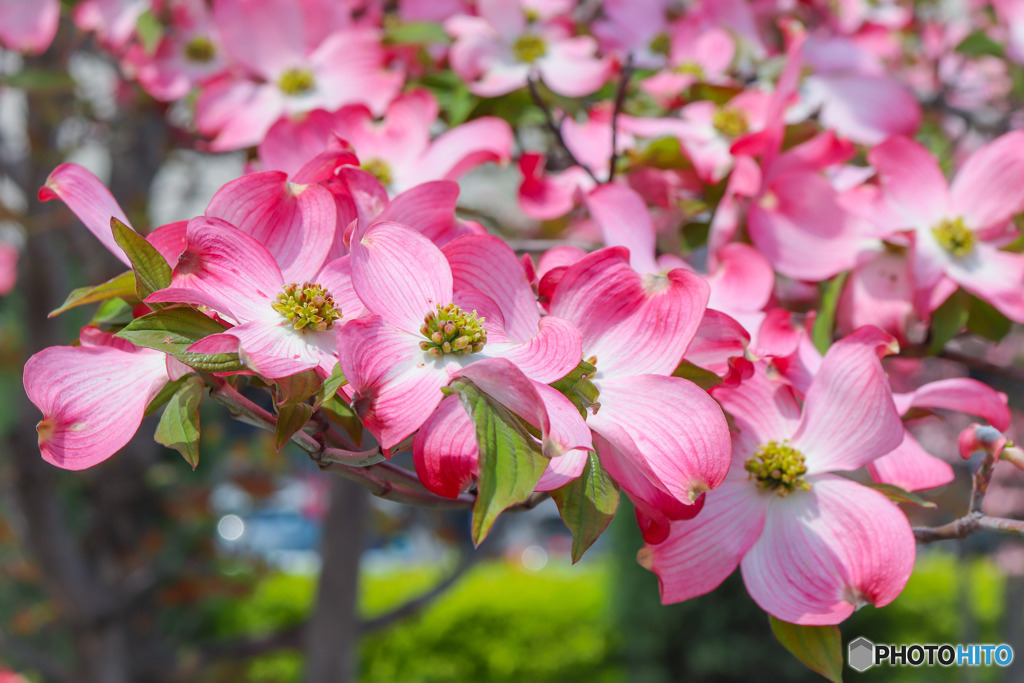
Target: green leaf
(663, 153)
(330, 386)
(694, 234)
(122, 286)
(173, 330)
(151, 270)
(296, 388)
(179, 425)
(290, 419)
(149, 30)
(341, 413)
(896, 494)
(978, 44)
(587, 505)
(705, 379)
(415, 33)
(577, 387)
(985, 321)
(821, 332)
(510, 460)
(165, 394)
(113, 313)
(39, 81)
(820, 648)
(947, 321)
(460, 105)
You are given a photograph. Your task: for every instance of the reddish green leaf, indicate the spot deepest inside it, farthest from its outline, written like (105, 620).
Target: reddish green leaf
(122, 286)
(510, 460)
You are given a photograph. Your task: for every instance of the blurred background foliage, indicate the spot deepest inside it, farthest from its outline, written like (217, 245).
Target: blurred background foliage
(178, 603)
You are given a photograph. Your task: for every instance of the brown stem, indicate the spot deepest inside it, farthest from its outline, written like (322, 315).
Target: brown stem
(974, 519)
(620, 99)
(554, 127)
(383, 479)
(1013, 373)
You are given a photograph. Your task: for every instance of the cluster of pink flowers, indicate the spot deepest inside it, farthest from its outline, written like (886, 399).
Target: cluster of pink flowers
(342, 251)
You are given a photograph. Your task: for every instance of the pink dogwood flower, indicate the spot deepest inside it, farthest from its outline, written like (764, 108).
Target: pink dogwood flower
(286, 69)
(913, 468)
(698, 53)
(398, 148)
(28, 26)
(812, 546)
(635, 330)
(113, 21)
(93, 397)
(854, 94)
(496, 51)
(420, 330)
(93, 204)
(958, 228)
(283, 326)
(189, 52)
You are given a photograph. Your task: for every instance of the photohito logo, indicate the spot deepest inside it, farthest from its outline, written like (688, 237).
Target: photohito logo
(862, 654)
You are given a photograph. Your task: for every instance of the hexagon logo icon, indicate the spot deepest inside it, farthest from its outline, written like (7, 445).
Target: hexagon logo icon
(861, 654)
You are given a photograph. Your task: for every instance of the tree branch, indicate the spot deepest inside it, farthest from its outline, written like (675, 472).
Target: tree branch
(974, 519)
(416, 604)
(1011, 372)
(245, 648)
(620, 99)
(554, 127)
(382, 479)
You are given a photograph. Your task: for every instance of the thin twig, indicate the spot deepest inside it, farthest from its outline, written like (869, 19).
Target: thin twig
(416, 604)
(974, 519)
(554, 127)
(620, 99)
(1011, 372)
(289, 638)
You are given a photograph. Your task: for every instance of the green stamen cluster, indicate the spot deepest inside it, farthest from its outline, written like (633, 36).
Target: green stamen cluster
(529, 47)
(661, 44)
(452, 330)
(695, 69)
(296, 81)
(730, 122)
(200, 50)
(954, 236)
(307, 305)
(378, 169)
(778, 467)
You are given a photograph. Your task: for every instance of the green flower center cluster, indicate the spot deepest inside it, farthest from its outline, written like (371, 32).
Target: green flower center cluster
(307, 305)
(296, 81)
(661, 44)
(778, 467)
(954, 236)
(200, 50)
(529, 47)
(378, 169)
(695, 69)
(452, 330)
(730, 122)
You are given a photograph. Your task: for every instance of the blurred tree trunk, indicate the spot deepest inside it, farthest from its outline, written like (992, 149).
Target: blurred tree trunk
(333, 631)
(89, 571)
